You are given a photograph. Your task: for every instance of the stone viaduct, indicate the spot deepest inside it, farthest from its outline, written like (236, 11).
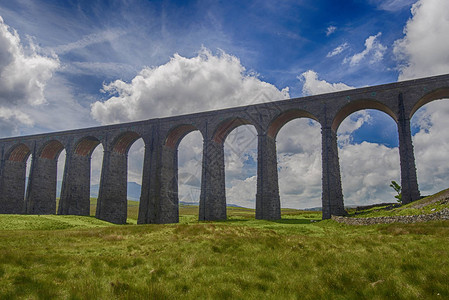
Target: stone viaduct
(159, 196)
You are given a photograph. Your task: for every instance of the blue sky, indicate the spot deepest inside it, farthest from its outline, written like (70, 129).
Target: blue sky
(277, 39)
(93, 60)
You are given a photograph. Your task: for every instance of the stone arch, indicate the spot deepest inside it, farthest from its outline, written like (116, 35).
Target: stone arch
(76, 182)
(357, 105)
(298, 154)
(124, 141)
(51, 150)
(13, 179)
(172, 190)
(283, 118)
(430, 145)
(176, 134)
(42, 184)
(86, 145)
(372, 153)
(238, 144)
(18, 153)
(226, 126)
(429, 97)
(112, 195)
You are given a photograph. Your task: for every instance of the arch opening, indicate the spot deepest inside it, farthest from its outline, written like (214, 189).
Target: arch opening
(27, 174)
(369, 157)
(183, 169)
(226, 127)
(136, 153)
(96, 162)
(438, 94)
(284, 118)
(190, 156)
(430, 138)
(240, 158)
(360, 105)
(60, 176)
(298, 144)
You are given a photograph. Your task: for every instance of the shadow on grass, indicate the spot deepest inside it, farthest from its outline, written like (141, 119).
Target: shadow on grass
(295, 221)
(228, 221)
(280, 221)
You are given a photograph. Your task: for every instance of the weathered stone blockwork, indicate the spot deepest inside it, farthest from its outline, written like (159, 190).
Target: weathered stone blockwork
(13, 183)
(159, 196)
(41, 190)
(75, 192)
(268, 204)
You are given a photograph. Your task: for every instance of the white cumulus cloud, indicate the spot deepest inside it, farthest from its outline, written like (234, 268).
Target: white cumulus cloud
(242, 192)
(374, 51)
(424, 50)
(351, 124)
(24, 74)
(299, 163)
(366, 172)
(184, 85)
(431, 145)
(313, 86)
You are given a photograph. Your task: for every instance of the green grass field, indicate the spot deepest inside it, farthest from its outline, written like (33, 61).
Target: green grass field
(69, 257)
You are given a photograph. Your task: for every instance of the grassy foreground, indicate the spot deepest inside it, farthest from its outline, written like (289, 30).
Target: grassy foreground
(68, 257)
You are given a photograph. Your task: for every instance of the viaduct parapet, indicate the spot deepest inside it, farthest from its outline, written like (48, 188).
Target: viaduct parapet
(159, 195)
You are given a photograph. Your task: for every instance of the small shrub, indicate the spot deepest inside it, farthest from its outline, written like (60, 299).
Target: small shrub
(398, 189)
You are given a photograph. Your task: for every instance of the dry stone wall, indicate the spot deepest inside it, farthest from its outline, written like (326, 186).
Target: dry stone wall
(439, 215)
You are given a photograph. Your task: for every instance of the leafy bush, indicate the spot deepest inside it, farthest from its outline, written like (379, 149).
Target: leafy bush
(398, 189)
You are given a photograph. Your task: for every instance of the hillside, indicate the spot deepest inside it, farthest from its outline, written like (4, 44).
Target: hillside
(426, 205)
(133, 190)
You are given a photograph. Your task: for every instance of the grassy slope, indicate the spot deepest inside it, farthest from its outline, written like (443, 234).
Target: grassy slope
(239, 258)
(48, 222)
(425, 205)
